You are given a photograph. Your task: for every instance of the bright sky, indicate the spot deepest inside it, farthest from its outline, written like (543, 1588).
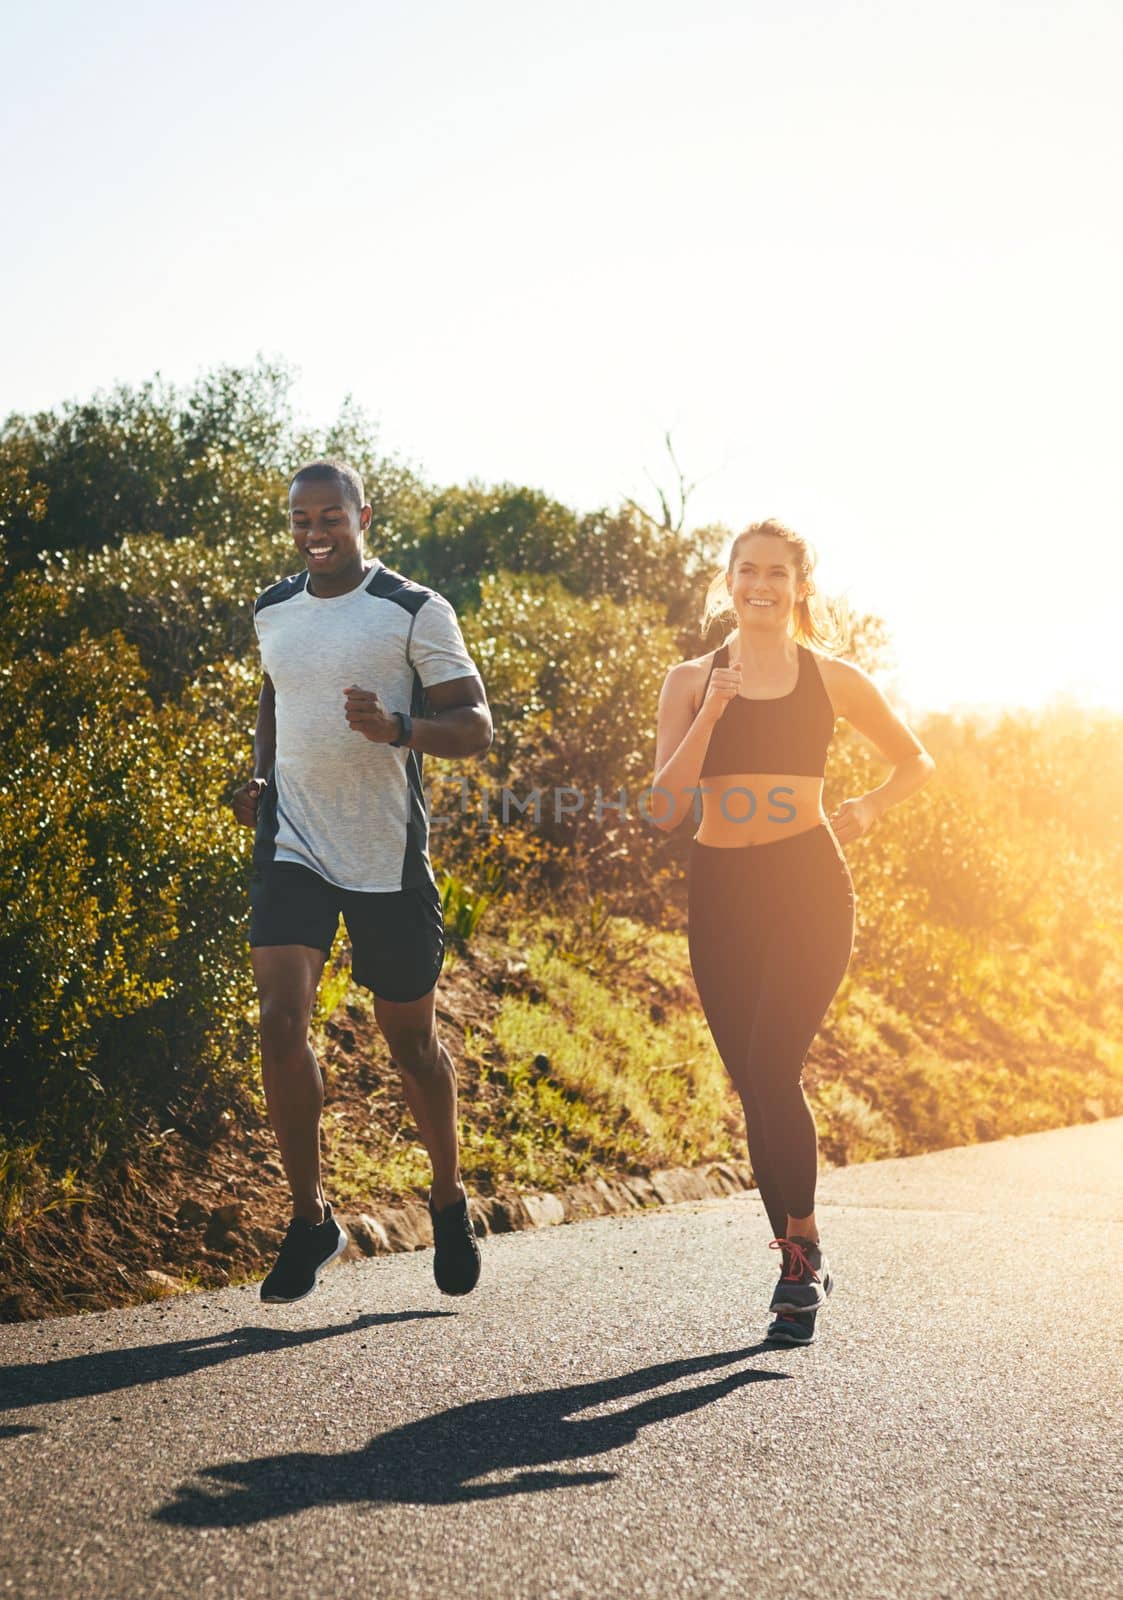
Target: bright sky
(863, 260)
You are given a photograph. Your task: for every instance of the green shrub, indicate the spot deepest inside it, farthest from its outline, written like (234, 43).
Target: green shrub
(462, 908)
(850, 1128)
(184, 605)
(125, 979)
(574, 691)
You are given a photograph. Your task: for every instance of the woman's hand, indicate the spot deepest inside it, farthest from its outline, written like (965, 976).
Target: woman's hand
(853, 818)
(725, 682)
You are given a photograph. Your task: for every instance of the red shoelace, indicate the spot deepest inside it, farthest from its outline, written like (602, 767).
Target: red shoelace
(794, 1255)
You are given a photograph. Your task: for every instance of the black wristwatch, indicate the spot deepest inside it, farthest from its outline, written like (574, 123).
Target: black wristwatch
(407, 730)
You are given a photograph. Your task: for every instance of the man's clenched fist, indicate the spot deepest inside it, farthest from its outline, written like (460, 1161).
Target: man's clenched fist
(244, 802)
(367, 715)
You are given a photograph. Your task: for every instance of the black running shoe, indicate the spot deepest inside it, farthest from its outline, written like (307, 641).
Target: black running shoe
(792, 1328)
(805, 1279)
(456, 1260)
(305, 1251)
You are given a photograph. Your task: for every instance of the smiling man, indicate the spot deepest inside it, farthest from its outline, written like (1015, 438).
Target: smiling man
(353, 654)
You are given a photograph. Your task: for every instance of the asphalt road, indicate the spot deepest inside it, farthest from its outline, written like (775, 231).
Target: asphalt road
(600, 1418)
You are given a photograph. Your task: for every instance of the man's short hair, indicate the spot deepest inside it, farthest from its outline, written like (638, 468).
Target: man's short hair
(350, 483)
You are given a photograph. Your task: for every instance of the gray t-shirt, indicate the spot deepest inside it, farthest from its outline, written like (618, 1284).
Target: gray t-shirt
(352, 810)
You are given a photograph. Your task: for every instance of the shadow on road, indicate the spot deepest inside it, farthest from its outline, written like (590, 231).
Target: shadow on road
(40, 1383)
(433, 1461)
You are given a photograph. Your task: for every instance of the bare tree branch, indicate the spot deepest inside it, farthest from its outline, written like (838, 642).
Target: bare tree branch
(670, 521)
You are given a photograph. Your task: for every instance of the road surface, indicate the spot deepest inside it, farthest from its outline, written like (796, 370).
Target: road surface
(600, 1418)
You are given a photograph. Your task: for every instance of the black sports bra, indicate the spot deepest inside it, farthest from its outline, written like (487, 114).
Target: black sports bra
(791, 734)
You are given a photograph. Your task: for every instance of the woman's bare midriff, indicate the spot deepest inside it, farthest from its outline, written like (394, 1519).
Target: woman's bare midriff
(746, 808)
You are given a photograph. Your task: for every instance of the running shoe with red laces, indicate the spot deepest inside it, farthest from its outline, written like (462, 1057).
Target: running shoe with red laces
(805, 1279)
(796, 1327)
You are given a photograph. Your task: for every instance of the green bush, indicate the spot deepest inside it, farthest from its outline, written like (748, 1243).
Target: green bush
(574, 691)
(184, 606)
(125, 983)
(462, 908)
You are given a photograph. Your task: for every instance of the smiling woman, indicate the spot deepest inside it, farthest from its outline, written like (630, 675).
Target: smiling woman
(771, 900)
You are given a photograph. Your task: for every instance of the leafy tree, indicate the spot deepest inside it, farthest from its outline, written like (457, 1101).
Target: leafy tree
(457, 536)
(212, 460)
(133, 462)
(183, 604)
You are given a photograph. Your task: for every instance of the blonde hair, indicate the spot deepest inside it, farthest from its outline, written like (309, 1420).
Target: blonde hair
(815, 620)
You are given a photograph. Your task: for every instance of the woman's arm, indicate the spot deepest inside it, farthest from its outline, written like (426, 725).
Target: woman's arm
(906, 778)
(680, 746)
(861, 702)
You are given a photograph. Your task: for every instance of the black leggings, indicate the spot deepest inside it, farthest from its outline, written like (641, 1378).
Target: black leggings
(771, 932)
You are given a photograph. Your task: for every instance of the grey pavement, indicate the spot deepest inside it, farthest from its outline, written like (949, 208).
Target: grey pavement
(601, 1418)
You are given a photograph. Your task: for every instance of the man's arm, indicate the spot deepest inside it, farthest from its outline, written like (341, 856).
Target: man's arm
(265, 733)
(244, 801)
(461, 725)
(458, 719)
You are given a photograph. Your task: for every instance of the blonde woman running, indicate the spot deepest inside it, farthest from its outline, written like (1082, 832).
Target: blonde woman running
(771, 900)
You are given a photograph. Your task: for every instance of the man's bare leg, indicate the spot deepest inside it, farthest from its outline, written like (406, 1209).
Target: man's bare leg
(429, 1082)
(287, 977)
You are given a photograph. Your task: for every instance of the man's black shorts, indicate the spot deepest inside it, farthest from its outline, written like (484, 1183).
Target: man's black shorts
(397, 937)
